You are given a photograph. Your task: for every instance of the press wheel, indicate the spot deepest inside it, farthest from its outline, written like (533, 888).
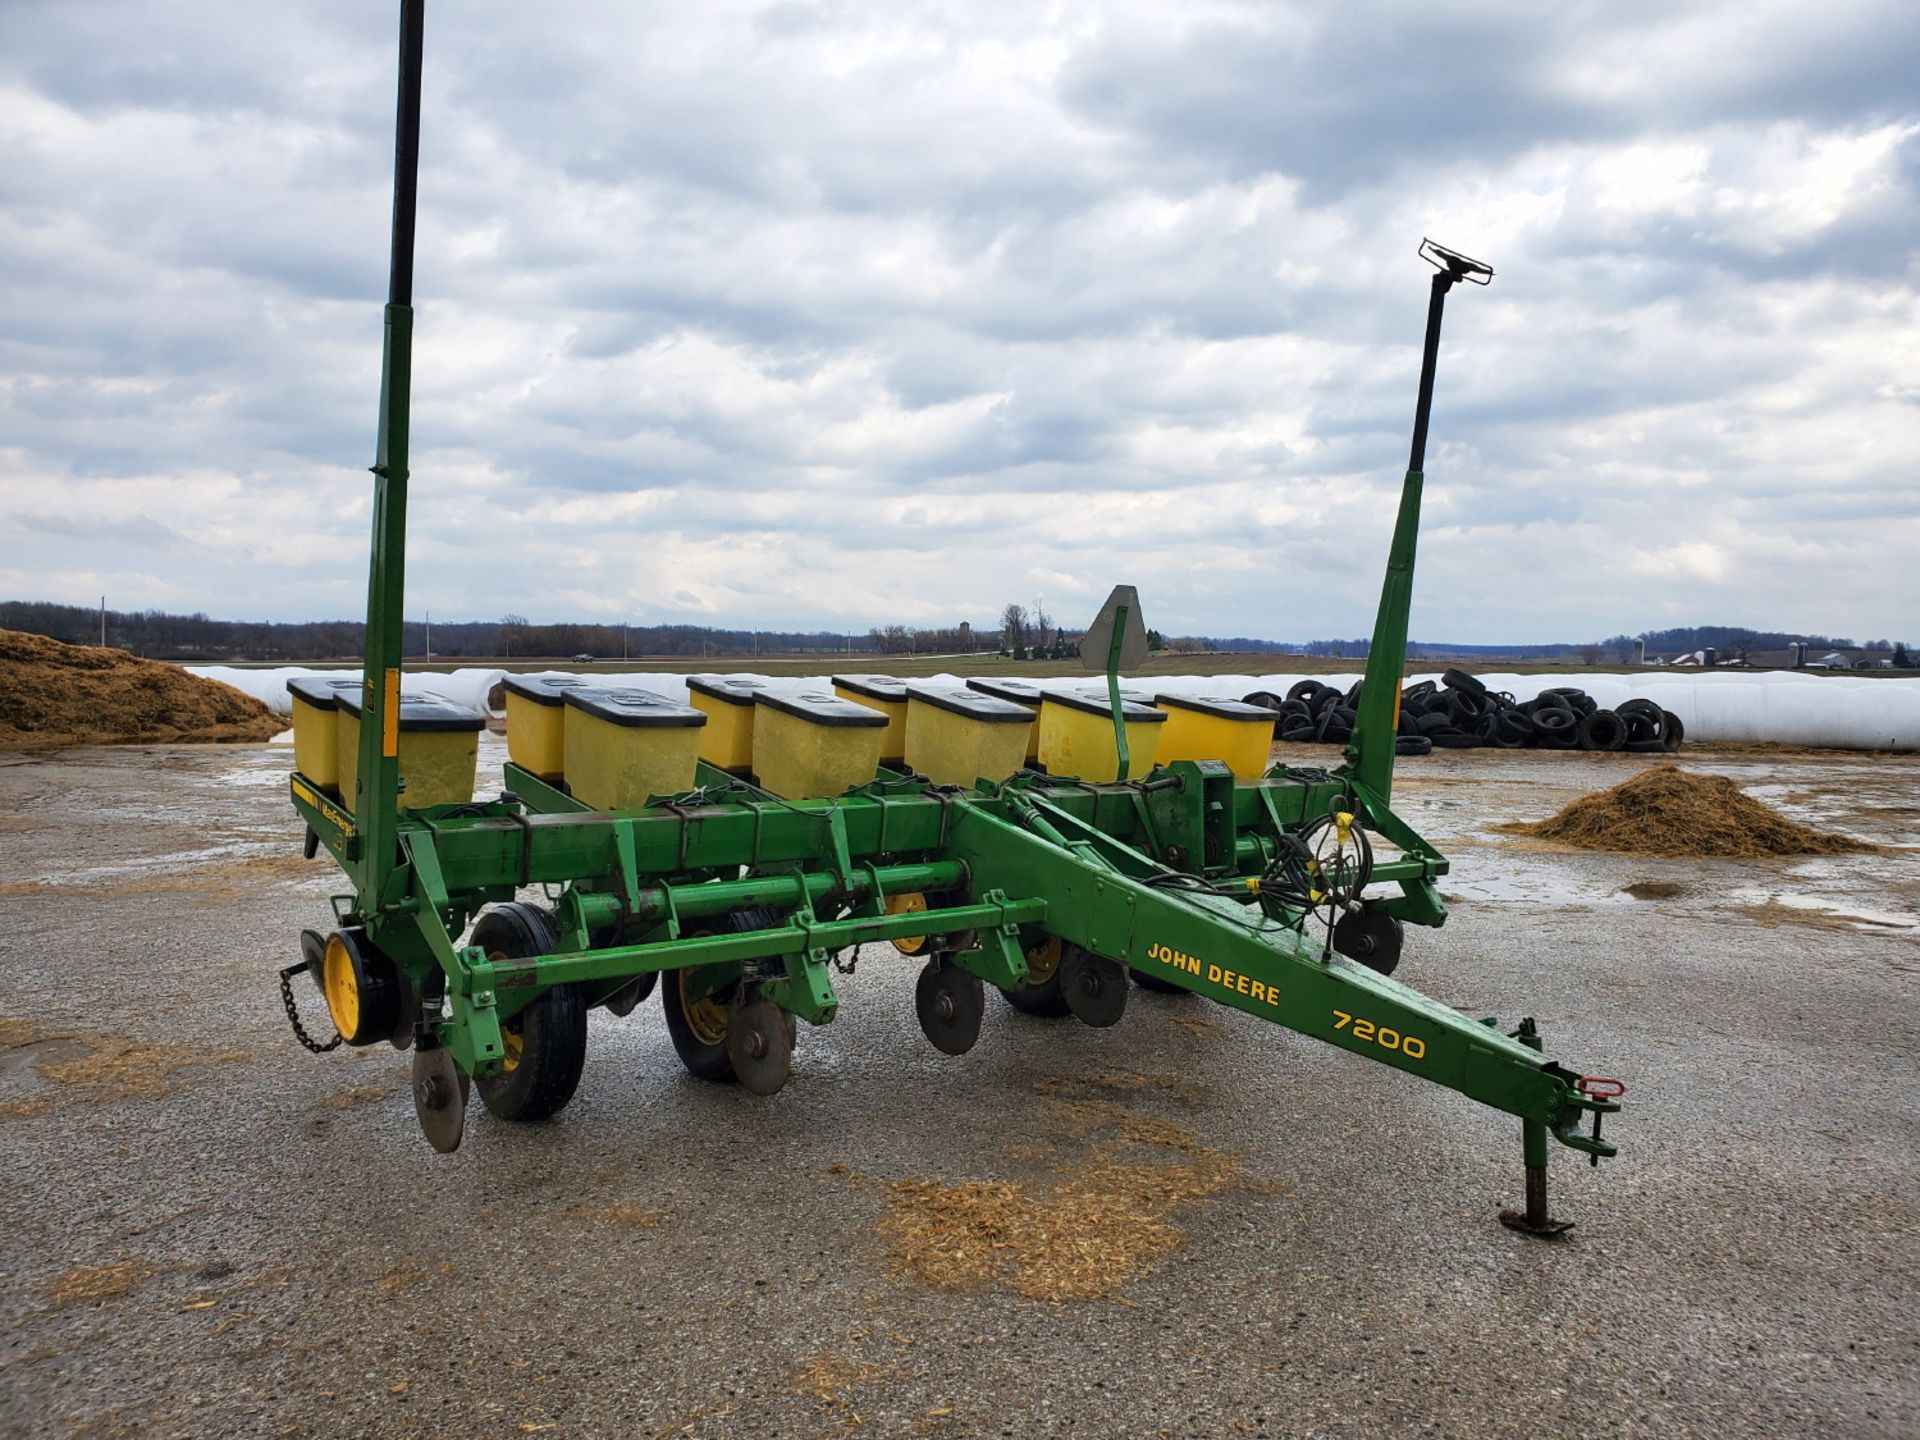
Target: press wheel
(759, 1043)
(949, 1003)
(1040, 996)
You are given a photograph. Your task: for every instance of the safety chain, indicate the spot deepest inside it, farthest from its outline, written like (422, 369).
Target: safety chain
(293, 1013)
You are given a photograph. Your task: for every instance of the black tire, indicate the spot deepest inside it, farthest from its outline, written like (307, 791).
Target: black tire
(1413, 745)
(1436, 724)
(699, 1034)
(1418, 693)
(1551, 723)
(1672, 732)
(1454, 740)
(1602, 730)
(1466, 708)
(1461, 681)
(699, 1040)
(1266, 699)
(1513, 727)
(1574, 698)
(1044, 1001)
(547, 1040)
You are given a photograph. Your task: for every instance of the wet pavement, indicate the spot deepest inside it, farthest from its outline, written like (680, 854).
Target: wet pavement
(211, 1232)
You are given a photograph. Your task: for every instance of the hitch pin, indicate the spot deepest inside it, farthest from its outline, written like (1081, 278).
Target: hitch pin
(1598, 1087)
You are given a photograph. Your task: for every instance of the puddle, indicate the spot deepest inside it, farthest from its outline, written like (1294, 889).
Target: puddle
(1656, 890)
(1808, 910)
(1524, 884)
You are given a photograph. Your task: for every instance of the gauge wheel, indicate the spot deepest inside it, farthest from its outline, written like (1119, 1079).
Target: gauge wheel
(546, 1041)
(1041, 995)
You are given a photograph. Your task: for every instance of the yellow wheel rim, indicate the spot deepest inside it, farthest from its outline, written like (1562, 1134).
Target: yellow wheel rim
(512, 1042)
(911, 904)
(706, 1017)
(1042, 960)
(341, 987)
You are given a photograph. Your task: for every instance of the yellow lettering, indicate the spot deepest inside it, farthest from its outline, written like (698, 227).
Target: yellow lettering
(1214, 973)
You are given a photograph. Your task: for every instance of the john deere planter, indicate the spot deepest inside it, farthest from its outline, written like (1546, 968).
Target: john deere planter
(1280, 892)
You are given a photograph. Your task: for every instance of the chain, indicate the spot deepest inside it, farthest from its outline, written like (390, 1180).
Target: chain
(293, 1013)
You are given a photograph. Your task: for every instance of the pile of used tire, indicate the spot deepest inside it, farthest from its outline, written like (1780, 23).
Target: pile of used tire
(1460, 713)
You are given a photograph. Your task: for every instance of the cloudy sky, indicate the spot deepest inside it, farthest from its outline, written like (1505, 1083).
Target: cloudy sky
(792, 314)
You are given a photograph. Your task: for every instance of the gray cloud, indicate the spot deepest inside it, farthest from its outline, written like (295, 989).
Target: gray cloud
(837, 314)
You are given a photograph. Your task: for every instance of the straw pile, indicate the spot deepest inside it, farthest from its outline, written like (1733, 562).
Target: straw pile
(57, 694)
(1669, 811)
(1105, 1217)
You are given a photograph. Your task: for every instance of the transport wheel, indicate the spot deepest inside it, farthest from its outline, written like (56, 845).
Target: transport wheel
(1095, 988)
(1156, 984)
(759, 1043)
(1371, 938)
(1040, 996)
(546, 1042)
(949, 1003)
(361, 987)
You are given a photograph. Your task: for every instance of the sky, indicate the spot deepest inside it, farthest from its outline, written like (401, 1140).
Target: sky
(835, 315)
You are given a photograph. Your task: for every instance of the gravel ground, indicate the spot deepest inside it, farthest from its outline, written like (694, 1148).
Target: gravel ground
(214, 1233)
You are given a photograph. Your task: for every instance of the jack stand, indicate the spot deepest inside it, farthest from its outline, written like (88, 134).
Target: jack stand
(1534, 1220)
